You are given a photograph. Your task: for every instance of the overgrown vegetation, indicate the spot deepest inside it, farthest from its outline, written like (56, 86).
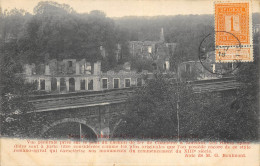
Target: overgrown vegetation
(225, 116)
(222, 116)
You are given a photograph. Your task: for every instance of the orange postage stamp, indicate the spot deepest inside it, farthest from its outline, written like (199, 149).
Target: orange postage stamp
(233, 31)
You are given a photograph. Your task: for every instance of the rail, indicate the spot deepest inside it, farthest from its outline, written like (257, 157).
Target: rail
(78, 100)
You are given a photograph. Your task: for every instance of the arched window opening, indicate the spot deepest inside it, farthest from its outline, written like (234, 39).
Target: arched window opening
(90, 84)
(53, 84)
(72, 85)
(63, 85)
(82, 84)
(42, 85)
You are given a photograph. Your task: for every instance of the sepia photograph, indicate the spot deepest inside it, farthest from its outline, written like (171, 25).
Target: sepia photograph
(153, 70)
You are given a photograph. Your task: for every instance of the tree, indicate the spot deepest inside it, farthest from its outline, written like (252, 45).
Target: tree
(153, 109)
(247, 102)
(58, 31)
(14, 92)
(50, 8)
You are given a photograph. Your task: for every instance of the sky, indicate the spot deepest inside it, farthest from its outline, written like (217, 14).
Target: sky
(119, 8)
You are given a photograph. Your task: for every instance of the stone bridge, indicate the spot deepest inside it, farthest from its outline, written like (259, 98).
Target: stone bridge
(94, 115)
(88, 115)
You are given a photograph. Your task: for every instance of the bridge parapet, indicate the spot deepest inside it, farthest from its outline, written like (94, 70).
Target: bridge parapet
(87, 100)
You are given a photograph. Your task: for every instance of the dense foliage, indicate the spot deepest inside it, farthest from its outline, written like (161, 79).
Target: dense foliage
(153, 114)
(56, 31)
(14, 92)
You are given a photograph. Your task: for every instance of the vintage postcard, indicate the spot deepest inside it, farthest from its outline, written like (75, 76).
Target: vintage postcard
(129, 83)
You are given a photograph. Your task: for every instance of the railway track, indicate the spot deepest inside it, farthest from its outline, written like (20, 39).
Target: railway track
(78, 100)
(215, 86)
(87, 100)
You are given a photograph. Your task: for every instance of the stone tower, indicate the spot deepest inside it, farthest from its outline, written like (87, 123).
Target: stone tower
(162, 36)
